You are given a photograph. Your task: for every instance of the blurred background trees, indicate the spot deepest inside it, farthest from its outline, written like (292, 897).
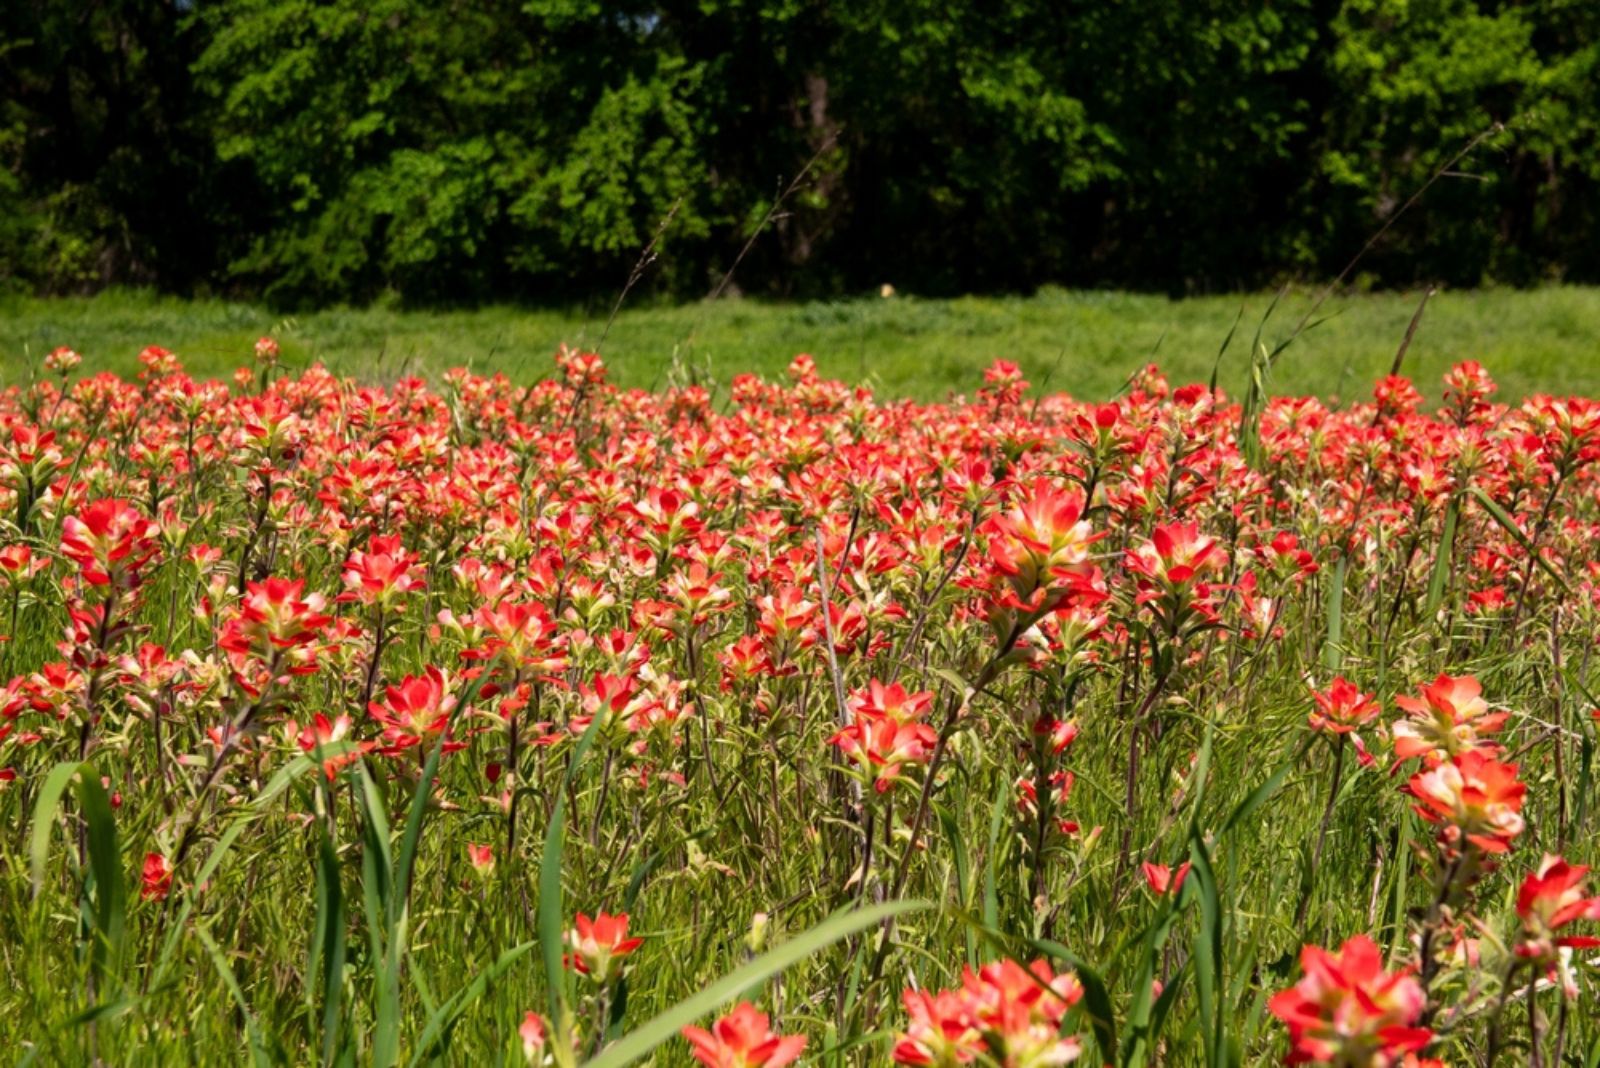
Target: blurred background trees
(313, 153)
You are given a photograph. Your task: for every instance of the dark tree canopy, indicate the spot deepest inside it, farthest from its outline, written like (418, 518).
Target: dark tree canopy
(318, 152)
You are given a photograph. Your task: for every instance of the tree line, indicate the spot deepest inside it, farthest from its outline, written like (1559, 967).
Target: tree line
(312, 152)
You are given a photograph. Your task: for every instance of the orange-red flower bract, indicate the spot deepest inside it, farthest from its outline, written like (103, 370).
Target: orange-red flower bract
(382, 573)
(415, 710)
(277, 624)
(155, 880)
(743, 1039)
(1041, 547)
(597, 947)
(1550, 899)
(110, 541)
(1450, 717)
(1008, 1015)
(1346, 1010)
(1342, 708)
(1473, 798)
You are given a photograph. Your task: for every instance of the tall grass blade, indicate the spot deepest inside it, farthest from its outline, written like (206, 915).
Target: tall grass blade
(176, 929)
(328, 945)
(642, 1040)
(1500, 516)
(44, 819)
(1209, 957)
(105, 864)
(435, 1039)
(1332, 646)
(552, 914)
(258, 1048)
(1440, 573)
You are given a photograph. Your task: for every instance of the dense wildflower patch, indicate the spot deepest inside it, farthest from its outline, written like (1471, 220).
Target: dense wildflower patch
(1048, 729)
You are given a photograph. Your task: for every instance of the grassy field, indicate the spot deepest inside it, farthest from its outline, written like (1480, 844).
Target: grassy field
(1083, 342)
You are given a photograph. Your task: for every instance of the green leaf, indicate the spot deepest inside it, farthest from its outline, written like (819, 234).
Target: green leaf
(258, 1051)
(44, 819)
(1501, 517)
(642, 1040)
(434, 1040)
(328, 944)
(105, 864)
(1332, 649)
(552, 916)
(1441, 561)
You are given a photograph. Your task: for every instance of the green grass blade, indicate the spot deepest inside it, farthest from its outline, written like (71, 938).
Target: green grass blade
(991, 874)
(1222, 351)
(434, 1040)
(328, 946)
(642, 1040)
(1263, 793)
(1500, 516)
(219, 960)
(1201, 775)
(1209, 958)
(44, 818)
(1097, 1004)
(552, 916)
(405, 860)
(1332, 647)
(1441, 561)
(207, 870)
(105, 863)
(963, 873)
(1139, 1038)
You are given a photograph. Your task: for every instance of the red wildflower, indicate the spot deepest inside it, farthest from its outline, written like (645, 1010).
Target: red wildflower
(1450, 717)
(1347, 1010)
(743, 1039)
(1161, 879)
(1174, 556)
(416, 710)
(155, 881)
(1007, 1015)
(109, 541)
(1342, 708)
(1473, 796)
(382, 574)
(1040, 546)
(597, 946)
(1550, 899)
(482, 858)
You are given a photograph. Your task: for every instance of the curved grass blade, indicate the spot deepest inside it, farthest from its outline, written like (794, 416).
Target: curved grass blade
(207, 870)
(1441, 560)
(639, 1042)
(327, 945)
(1500, 516)
(44, 818)
(258, 1049)
(1209, 977)
(435, 1038)
(105, 864)
(991, 889)
(1263, 793)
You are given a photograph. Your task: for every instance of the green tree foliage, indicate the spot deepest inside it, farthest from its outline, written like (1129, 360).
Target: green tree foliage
(318, 152)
